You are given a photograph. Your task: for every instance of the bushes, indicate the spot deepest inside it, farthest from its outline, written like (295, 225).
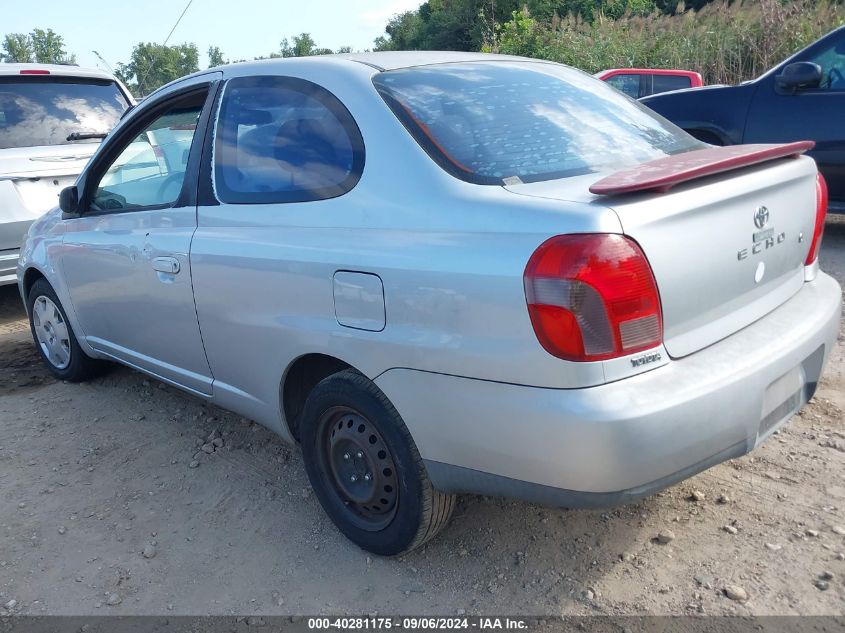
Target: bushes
(725, 42)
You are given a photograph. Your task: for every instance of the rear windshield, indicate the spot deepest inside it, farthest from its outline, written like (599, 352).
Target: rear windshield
(496, 122)
(46, 110)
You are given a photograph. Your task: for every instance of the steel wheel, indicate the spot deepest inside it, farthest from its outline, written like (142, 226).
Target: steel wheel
(365, 468)
(51, 332)
(361, 469)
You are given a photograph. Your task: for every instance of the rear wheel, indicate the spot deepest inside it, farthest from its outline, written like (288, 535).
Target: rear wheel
(54, 336)
(365, 468)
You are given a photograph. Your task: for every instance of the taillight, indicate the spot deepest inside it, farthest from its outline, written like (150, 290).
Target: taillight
(35, 71)
(821, 214)
(592, 297)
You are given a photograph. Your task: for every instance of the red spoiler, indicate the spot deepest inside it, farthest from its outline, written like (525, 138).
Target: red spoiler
(664, 173)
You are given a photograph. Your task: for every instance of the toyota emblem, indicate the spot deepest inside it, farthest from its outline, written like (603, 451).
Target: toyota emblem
(761, 217)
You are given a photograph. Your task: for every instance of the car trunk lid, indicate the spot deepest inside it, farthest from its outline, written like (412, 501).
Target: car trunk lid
(30, 181)
(719, 267)
(32, 162)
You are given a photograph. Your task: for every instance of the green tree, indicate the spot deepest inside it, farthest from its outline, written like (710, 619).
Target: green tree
(17, 48)
(404, 32)
(49, 47)
(523, 36)
(446, 25)
(727, 42)
(153, 65)
(303, 45)
(469, 24)
(215, 57)
(39, 46)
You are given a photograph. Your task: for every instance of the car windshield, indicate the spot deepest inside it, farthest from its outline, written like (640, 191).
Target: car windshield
(504, 122)
(47, 110)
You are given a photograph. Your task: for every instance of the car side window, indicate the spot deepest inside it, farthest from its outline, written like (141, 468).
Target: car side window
(832, 62)
(283, 139)
(665, 83)
(150, 170)
(629, 84)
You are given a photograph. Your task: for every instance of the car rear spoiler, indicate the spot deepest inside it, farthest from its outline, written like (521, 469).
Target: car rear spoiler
(664, 173)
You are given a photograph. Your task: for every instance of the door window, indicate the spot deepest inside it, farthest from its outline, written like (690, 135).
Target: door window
(832, 62)
(281, 139)
(629, 84)
(150, 171)
(665, 83)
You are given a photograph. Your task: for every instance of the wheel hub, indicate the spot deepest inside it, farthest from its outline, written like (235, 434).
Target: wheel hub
(362, 468)
(51, 331)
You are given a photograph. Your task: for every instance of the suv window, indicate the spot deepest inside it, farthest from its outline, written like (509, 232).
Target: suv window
(282, 139)
(45, 110)
(665, 83)
(832, 62)
(629, 84)
(150, 170)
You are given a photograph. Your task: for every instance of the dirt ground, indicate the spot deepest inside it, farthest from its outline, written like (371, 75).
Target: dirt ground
(100, 513)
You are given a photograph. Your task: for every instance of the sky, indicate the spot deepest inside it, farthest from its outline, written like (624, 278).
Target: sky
(243, 29)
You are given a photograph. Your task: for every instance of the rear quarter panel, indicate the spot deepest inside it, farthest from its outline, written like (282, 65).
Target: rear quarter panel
(451, 256)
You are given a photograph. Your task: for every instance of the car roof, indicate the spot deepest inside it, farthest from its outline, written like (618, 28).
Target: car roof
(58, 70)
(648, 71)
(385, 60)
(382, 60)
(393, 60)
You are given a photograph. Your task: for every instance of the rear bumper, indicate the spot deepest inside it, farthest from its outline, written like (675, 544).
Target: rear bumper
(8, 265)
(12, 234)
(621, 441)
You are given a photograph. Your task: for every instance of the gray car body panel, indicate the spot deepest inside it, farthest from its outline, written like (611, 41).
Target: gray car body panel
(694, 235)
(637, 432)
(457, 337)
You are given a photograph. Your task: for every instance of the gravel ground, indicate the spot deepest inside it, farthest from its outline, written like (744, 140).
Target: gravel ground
(100, 512)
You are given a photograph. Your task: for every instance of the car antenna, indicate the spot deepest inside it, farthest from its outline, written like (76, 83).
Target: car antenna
(166, 40)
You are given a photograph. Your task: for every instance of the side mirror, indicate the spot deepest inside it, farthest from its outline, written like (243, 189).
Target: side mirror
(69, 200)
(799, 76)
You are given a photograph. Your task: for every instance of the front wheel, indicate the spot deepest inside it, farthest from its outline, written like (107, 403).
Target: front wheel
(54, 336)
(365, 468)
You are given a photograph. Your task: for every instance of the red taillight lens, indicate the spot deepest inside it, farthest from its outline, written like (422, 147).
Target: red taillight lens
(33, 71)
(821, 214)
(592, 297)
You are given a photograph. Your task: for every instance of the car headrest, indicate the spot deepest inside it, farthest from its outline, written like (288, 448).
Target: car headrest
(302, 141)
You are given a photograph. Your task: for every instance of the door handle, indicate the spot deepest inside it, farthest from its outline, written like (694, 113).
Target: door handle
(169, 265)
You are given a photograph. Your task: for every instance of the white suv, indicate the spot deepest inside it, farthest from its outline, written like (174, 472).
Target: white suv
(52, 118)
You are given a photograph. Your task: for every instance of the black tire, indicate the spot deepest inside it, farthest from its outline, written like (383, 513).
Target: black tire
(80, 366)
(346, 408)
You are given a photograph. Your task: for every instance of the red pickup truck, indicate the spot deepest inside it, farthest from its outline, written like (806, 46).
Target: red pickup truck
(641, 82)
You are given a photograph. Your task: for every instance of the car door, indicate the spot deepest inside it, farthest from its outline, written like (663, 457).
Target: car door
(125, 258)
(807, 114)
(272, 216)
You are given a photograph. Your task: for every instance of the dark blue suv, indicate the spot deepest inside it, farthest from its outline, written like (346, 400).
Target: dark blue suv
(803, 98)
